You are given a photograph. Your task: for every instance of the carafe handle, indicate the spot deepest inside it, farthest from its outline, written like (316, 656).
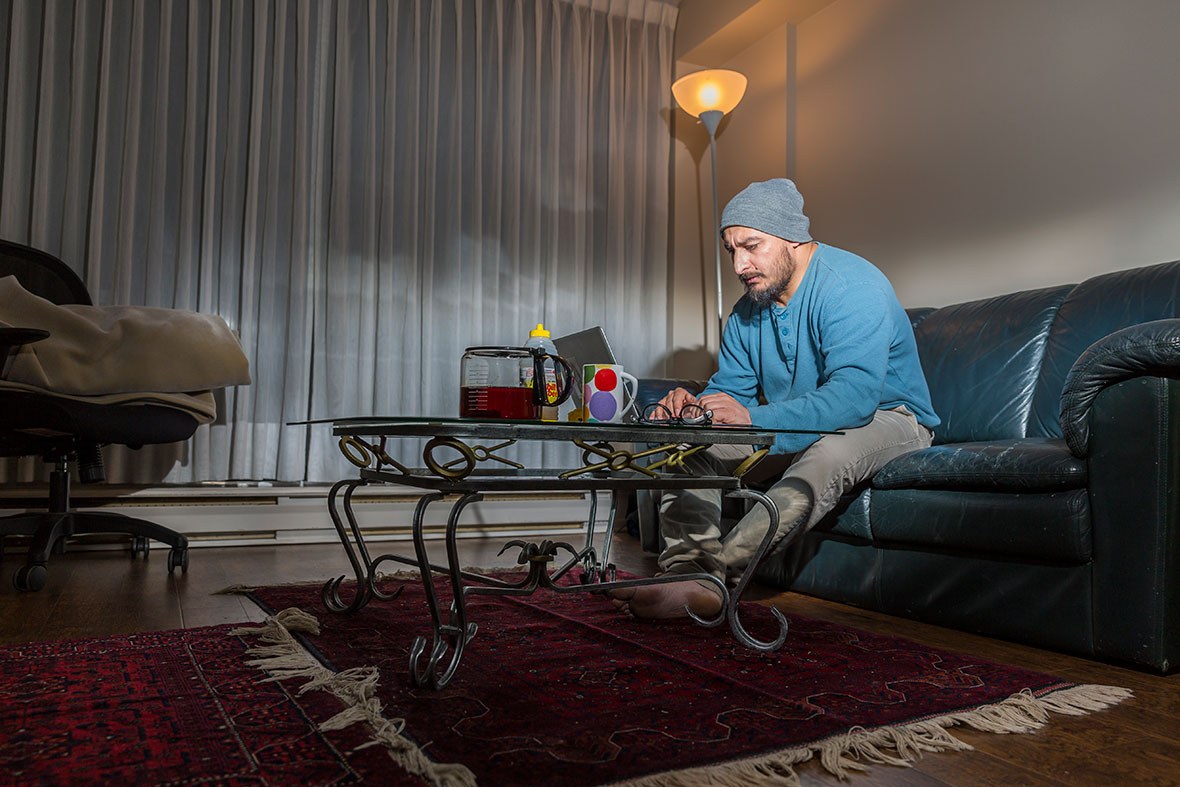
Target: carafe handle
(564, 389)
(564, 374)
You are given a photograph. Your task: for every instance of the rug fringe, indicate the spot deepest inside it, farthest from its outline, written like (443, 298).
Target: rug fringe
(900, 745)
(1085, 698)
(282, 658)
(234, 590)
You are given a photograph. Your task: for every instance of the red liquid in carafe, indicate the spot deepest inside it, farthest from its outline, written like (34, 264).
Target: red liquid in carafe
(484, 401)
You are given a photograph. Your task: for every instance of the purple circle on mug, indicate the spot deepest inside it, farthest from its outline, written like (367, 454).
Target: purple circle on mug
(603, 406)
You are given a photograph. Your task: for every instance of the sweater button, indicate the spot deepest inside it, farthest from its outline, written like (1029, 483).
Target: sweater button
(784, 331)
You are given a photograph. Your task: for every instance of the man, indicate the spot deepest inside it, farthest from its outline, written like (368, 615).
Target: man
(819, 341)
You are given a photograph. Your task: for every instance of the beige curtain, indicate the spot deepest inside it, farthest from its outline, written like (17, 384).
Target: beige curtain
(361, 189)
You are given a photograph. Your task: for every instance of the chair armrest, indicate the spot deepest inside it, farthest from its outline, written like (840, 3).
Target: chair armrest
(12, 339)
(1149, 349)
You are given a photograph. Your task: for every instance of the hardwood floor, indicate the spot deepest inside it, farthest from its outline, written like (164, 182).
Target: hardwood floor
(93, 594)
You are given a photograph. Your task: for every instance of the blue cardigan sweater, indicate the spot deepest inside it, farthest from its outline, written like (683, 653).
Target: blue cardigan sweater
(841, 349)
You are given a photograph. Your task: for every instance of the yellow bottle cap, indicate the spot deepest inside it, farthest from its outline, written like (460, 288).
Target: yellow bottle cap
(539, 331)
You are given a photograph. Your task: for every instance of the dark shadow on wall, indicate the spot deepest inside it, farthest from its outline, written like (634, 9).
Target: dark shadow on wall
(693, 363)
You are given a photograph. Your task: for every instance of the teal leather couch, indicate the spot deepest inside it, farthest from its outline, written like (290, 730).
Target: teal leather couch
(1046, 512)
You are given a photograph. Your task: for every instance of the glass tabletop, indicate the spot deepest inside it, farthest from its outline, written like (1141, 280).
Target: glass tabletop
(500, 428)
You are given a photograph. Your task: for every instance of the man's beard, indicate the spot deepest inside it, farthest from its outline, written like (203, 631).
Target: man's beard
(770, 294)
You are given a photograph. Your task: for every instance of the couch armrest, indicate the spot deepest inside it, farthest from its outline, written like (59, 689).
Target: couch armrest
(1134, 488)
(12, 339)
(1148, 349)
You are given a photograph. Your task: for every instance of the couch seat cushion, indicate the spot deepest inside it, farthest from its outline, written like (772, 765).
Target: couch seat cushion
(1032, 464)
(850, 518)
(1042, 527)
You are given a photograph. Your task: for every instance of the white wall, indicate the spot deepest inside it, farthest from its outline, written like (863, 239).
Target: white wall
(972, 149)
(967, 148)
(753, 143)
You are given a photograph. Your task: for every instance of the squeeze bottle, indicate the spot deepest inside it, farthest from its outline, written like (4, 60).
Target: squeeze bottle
(539, 337)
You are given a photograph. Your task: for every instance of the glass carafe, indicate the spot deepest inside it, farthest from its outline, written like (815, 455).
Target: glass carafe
(498, 382)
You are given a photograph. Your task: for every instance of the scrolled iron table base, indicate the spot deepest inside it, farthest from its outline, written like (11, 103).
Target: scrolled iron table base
(435, 657)
(451, 630)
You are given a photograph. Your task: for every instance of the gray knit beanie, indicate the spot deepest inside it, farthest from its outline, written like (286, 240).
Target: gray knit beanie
(771, 206)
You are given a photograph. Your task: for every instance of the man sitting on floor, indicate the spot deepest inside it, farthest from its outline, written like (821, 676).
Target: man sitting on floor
(819, 341)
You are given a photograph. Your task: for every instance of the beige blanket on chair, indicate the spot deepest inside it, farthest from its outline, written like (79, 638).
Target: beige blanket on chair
(102, 350)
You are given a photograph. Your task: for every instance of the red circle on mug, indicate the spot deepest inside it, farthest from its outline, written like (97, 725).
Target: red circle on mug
(606, 379)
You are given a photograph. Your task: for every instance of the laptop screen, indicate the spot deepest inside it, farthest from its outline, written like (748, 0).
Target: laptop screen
(583, 347)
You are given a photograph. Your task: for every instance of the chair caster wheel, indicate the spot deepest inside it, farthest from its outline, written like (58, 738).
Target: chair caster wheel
(177, 558)
(139, 546)
(30, 578)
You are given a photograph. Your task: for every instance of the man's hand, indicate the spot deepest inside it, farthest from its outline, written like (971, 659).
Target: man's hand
(674, 400)
(726, 409)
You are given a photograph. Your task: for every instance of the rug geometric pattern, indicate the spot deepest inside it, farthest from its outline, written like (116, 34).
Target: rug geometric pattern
(169, 707)
(563, 689)
(554, 689)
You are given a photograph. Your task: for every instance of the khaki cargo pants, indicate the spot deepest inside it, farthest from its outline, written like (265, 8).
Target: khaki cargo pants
(812, 482)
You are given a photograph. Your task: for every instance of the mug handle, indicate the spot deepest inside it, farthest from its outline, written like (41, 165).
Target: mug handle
(630, 406)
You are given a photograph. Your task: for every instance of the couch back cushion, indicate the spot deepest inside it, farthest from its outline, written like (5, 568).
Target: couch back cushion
(652, 389)
(982, 359)
(1095, 308)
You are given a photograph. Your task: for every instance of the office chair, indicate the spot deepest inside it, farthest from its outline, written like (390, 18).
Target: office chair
(68, 432)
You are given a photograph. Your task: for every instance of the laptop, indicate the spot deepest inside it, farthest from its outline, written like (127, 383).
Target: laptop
(583, 347)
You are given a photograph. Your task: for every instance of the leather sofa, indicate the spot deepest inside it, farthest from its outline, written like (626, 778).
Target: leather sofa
(1046, 512)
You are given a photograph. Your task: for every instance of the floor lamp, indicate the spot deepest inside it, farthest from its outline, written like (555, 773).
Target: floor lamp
(710, 95)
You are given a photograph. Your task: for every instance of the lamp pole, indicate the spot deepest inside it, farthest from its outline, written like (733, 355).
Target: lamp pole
(711, 119)
(708, 95)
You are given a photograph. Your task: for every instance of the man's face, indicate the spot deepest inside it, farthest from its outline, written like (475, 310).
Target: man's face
(765, 263)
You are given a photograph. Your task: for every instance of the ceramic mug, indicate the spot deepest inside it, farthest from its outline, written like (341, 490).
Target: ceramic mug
(605, 395)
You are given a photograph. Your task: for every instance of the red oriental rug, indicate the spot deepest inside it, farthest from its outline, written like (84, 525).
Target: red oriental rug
(554, 689)
(563, 689)
(169, 707)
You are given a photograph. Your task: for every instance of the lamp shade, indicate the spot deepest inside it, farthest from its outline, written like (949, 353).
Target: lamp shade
(713, 89)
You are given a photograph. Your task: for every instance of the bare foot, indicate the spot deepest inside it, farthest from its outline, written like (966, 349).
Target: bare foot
(670, 600)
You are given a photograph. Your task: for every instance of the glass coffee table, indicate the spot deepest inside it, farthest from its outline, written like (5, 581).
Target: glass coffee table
(462, 459)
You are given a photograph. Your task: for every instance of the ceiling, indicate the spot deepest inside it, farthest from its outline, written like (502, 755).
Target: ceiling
(712, 32)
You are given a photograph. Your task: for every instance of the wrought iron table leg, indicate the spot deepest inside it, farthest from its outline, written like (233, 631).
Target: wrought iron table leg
(439, 645)
(732, 607)
(370, 566)
(363, 550)
(455, 633)
(587, 555)
(618, 509)
(330, 593)
(424, 567)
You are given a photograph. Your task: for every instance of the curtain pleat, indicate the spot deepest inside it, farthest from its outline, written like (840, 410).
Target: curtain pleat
(361, 189)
